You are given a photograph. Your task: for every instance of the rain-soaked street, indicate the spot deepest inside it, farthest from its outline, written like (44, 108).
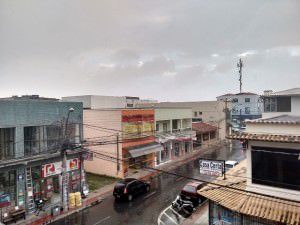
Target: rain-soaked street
(145, 210)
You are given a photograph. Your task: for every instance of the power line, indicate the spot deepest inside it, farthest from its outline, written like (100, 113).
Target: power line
(220, 185)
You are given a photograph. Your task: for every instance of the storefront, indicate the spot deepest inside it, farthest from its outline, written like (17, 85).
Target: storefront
(8, 188)
(47, 180)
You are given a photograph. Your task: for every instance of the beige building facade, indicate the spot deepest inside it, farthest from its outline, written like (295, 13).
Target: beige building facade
(211, 112)
(173, 132)
(121, 140)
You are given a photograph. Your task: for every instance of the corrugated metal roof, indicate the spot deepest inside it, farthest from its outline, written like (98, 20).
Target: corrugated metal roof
(256, 205)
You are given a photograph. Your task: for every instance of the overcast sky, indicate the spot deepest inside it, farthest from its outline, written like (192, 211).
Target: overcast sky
(165, 50)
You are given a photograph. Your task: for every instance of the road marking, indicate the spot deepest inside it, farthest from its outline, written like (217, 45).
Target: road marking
(149, 195)
(102, 220)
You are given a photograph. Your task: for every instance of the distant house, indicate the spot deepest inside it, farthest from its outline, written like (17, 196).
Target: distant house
(281, 102)
(245, 105)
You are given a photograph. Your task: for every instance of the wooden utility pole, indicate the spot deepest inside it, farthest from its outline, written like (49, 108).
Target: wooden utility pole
(240, 65)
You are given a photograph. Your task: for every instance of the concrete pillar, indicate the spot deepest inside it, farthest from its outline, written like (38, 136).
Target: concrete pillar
(19, 140)
(21, 179)
(171, 126)
(171, 149)
(181, 123)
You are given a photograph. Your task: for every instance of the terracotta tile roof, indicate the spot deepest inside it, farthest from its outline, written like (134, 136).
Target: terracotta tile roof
(282, 119)
(256, 205)
(201, 127)
(265, 137)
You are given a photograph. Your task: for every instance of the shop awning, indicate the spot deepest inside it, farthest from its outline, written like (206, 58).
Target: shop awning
(145, 150)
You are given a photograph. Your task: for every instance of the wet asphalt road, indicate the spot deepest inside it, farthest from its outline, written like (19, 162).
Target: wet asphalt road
(145, 210)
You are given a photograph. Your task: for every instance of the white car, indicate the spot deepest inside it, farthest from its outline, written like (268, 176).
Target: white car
(230, 164)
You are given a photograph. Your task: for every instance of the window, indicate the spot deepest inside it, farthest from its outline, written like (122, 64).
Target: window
(175, 124)
(195, 114)
(7, 143)
(276, 167)
(157, 127)
(197, 120)
(129, 105)
(41, 139)
(235, 100)
(247, 110)
(283, 104)
(165, 127)
(247, 99)
(200, 113)
(277, 104)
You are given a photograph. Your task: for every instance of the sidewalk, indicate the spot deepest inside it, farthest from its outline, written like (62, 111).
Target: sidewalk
(97, 196)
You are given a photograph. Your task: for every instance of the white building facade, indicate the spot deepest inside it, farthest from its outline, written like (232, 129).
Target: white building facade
(174, 132)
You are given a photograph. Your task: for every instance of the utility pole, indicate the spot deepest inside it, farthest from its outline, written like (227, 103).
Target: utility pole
(64, 163)
(240, 65)
(118, 157)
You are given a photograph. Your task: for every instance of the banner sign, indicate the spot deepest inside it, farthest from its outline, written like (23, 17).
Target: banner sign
(51, 169)
(73, 164)
(211, 167)
(55, 168)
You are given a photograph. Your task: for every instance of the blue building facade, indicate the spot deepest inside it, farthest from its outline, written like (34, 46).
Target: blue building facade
(32, 133)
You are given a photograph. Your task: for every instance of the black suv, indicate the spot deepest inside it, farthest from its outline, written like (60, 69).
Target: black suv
(129, 188)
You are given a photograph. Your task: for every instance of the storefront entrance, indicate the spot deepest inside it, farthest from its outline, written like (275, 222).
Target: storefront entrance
(176, 149)
(48, 189)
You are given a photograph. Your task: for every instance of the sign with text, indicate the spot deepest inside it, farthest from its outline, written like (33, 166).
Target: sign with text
(211, 167)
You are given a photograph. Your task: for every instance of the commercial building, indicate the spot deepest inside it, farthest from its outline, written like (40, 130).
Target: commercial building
(174, 132)
(107, 102)
(214, 113)
(245, 105)
(33, 131)
(267, 188)
(121, 140)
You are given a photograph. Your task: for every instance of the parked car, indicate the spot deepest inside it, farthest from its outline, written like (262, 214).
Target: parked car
(230, 164)
(190, 192)
(129, 188)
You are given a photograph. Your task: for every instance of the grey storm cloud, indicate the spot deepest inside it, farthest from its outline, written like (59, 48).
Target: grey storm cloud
(168, 50)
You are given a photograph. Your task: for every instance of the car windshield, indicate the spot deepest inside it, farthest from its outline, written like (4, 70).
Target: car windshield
(189, 188)
(120, 185)
(229, 166)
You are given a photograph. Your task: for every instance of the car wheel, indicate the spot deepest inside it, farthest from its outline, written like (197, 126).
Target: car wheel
(130, 197)
(147, 188)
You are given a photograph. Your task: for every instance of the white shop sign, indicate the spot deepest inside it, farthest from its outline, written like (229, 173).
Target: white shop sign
(211, 167)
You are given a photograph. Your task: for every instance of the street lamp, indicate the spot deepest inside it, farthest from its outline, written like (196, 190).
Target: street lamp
(64, 163)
